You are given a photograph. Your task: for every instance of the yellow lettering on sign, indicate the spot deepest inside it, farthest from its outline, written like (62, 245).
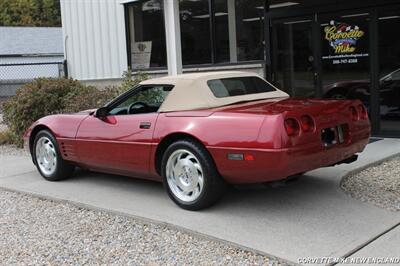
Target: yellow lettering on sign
(331, 34)
(338, 38)
(341, 49)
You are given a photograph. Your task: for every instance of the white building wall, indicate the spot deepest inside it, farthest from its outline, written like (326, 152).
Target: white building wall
(95, 42)
(94, 36)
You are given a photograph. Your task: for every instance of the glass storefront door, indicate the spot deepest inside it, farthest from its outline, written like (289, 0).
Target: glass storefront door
(389, 69)
(352, 54)
(345, 56)
(293, 57)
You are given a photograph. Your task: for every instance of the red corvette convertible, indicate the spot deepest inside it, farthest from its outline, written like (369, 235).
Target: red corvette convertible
(198, 132)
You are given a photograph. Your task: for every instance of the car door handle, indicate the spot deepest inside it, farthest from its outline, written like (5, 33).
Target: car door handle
(145, 125)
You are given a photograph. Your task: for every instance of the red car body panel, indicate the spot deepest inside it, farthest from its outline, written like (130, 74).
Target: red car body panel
(117, 143)
(255, 129)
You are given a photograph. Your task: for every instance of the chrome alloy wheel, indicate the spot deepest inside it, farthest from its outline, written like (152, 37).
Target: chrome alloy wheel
(184, 175)
(46, 156)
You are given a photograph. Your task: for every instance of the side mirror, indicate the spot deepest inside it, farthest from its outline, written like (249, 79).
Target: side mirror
(101, 113)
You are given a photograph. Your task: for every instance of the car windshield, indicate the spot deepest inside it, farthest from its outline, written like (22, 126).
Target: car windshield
(228, 87)
(148, 98)
(393, 76)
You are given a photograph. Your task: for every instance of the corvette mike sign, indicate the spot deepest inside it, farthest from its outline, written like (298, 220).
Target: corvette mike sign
(344, 43)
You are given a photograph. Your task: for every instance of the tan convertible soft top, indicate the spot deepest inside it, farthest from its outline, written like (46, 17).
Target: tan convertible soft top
(191, 91)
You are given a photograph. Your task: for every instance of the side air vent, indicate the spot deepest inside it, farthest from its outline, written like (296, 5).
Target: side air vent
(68, 150)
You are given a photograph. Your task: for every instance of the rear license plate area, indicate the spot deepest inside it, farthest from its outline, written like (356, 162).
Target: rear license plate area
(341, 132)
(334, 135)
(328, 136)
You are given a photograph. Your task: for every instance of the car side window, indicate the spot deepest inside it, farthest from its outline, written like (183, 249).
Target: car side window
(228, 87)
(146, 99)
(396, 76)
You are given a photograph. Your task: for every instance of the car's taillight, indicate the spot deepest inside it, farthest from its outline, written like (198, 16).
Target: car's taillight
(354, 113)
(362, 112)
(307, 123)
(292, 127)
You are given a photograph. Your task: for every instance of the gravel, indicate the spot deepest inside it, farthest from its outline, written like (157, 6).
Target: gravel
(12, 150)
(36, 231)
(379, 185)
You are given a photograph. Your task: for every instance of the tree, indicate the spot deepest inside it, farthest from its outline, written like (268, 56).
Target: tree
(49, 13)
(44, 13)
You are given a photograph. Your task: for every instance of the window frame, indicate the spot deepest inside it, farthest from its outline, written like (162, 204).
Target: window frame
(212, 26)
(132, 92)
(129, 37)
(255, 79)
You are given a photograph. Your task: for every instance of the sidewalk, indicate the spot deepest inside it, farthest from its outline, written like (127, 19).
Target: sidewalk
(310, 218)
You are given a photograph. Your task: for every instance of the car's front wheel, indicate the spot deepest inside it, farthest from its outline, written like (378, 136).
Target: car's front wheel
(190, 176)
(48, 159)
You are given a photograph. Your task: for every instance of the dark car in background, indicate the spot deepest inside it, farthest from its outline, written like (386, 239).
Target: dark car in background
(389, 92)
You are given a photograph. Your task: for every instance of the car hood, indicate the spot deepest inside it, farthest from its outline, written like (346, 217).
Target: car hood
(345, 84)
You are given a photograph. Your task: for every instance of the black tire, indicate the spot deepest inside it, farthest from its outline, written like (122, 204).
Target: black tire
(63, 169)
(214, 186)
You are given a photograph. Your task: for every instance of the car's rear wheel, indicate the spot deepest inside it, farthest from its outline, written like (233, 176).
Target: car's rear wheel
(190, 176)
(47, 158)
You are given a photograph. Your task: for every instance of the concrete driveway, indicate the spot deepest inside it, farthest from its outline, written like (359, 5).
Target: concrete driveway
(309, 218)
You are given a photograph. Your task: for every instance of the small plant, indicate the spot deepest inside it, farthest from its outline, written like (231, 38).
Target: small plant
(7, 137)
(130, 80)
(88, 98)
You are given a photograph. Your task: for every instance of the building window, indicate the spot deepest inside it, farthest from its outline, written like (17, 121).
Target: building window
(195, 32)
(221, 22)
(250, 30)
(221, 31)
(389, 82)
(146, 35)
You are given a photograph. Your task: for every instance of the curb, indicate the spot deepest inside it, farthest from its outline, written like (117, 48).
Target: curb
(368, 165)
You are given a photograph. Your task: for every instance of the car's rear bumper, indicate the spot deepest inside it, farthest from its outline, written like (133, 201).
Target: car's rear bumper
(277, 164)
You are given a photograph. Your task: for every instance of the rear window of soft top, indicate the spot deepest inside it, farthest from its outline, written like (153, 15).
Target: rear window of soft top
(236, 86)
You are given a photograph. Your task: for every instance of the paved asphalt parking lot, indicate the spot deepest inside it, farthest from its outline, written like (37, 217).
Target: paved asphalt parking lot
(312, 217)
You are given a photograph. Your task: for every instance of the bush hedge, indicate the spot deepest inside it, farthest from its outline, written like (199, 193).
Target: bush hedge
(46, 96)
(7, 137)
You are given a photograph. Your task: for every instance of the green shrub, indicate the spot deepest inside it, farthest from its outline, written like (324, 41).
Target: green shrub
(88, 98)
(46, 96)
(130, 80)
(7, 137)
(37, 99)
(2, 100)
